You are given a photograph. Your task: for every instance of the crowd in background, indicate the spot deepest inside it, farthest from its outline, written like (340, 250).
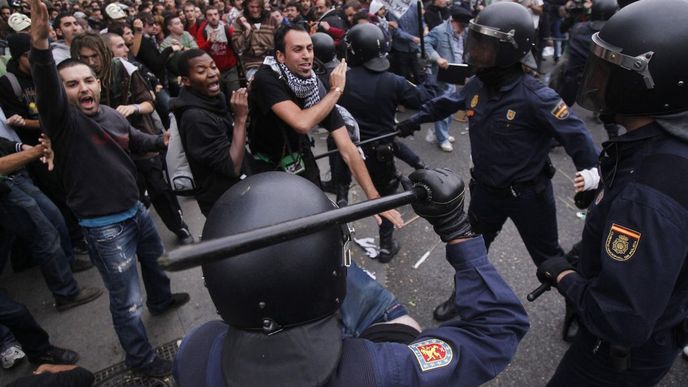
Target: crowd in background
(133, 47)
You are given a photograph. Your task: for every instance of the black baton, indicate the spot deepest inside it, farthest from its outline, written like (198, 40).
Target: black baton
(532, 296)
(217, 249)
(320, 156)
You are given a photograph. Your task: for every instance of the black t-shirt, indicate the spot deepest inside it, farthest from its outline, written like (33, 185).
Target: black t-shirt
(266, 131)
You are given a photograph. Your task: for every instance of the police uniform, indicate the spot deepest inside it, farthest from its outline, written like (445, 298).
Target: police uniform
(578, 50)
(631, 286)
(466, 352)
(510, 131)
(372, 99)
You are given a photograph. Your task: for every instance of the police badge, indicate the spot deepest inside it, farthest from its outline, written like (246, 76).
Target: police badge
(622, 242)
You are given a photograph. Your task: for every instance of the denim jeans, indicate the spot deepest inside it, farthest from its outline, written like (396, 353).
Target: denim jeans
(366, 303)
(6, 338)
(15, 316)
(27, 213)
(113, 250)
(442, 126)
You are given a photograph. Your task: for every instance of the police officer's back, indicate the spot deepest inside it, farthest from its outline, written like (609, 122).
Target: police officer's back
(279, 303)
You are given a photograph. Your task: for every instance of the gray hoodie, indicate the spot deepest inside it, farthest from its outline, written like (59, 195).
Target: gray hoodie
(60, 51)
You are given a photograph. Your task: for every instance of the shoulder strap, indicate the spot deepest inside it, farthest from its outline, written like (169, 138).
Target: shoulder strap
(15, 84)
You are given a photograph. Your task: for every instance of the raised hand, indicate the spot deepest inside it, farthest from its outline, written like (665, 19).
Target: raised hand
(40, 25)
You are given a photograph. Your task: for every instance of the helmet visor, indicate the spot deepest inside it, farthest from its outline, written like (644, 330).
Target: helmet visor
(483, 44)
(605, 61)
(593, 90)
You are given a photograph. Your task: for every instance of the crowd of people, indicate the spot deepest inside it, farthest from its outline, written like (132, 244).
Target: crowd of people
(93, 93)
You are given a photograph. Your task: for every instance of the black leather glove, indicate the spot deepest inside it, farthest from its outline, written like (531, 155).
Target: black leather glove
(407, 128)
(584, 199)
(549, 270)
(443, 207)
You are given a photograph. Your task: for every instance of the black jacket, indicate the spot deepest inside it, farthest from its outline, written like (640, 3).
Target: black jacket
(93, 152)
(205, 127)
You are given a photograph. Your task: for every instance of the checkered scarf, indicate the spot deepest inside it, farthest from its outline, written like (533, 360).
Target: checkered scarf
(304, 88)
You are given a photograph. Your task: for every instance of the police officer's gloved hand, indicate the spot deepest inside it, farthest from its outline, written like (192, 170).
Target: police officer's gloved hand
(407, 127)
(443, 207)
(549, 270)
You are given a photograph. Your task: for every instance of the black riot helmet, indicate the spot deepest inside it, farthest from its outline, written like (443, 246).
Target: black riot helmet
(323, 46)
(636, 68)
(603, 9)
(365, 45)
(285, 285)
(500, 36)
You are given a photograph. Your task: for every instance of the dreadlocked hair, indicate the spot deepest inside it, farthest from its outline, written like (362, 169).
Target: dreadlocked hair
(95, 42)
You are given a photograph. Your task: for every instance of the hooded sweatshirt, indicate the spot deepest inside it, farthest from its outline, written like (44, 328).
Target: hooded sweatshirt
(60, 51)
(205, 128)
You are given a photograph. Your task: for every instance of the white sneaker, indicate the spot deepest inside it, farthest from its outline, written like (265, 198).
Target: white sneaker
(11, 355)
(430, 137)
(451, 139)
(446, 146)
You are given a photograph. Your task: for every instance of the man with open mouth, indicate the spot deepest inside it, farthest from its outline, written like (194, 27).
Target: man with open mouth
(93, 146)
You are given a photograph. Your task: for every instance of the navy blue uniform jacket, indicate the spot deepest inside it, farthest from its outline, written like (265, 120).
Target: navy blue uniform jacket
(466, 352)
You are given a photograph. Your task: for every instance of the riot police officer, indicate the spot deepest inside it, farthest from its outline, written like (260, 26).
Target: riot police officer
(372, 98)
(512, 119)
(279, 303)
(629, 288)
(577, 53)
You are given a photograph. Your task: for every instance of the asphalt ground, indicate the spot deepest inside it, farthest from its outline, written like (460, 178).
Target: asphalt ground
(420, 286)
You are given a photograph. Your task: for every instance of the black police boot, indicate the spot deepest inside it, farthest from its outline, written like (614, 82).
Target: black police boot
(446, 310)
(419, 165)
(389, 247)
(342, 195)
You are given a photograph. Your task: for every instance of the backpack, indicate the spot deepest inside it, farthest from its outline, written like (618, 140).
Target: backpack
(16, 87)
(179, 174)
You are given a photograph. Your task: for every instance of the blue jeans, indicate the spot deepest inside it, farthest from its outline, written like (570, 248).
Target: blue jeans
(18, 320)
(27, 213)
(442, 126)
(366, 303)
(113, 250)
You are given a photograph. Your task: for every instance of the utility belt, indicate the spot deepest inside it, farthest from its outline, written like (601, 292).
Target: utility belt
(538, 184)
(382, 150)
(620, 356)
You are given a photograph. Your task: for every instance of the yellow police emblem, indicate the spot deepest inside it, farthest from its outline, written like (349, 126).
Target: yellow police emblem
(561, 111)
(474, 101)
(622, 242)
(510, 114)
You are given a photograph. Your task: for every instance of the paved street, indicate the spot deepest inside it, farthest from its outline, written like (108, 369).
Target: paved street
(88, 329)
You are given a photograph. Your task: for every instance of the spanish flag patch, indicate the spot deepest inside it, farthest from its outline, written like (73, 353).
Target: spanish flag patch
(561, 111)
(622, 242)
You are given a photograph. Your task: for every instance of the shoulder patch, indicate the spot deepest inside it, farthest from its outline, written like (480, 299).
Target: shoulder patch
(561, 111)
(622, 242)
(432, 354)
(474, 101)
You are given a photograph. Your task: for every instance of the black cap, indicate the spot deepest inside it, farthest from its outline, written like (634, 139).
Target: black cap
(18, 44)
(460, 14)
